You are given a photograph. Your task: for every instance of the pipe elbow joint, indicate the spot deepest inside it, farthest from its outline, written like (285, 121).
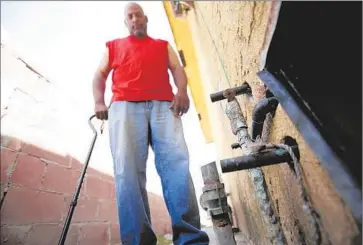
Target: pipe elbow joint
(262, 108)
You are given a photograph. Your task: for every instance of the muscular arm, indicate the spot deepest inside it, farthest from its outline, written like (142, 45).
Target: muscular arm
(180, 78)
(99, 86)
(180, 104)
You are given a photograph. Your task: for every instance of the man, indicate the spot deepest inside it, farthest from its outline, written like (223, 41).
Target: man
(145, 111)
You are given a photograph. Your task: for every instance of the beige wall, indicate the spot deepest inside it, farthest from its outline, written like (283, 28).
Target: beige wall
(238, 30)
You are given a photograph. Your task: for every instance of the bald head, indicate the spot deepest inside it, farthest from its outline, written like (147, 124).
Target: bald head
(135, 19)
(132, 5)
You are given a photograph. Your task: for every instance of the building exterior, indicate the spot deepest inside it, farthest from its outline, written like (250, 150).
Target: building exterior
(223, 45)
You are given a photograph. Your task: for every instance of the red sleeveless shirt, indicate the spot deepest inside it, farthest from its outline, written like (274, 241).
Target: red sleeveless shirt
(140, 69)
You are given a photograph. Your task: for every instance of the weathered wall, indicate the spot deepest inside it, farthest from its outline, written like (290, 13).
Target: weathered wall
(44, 141)
(238, 31)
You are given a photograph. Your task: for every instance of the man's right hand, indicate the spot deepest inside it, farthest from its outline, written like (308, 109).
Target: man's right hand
(101, 111)
(99, 86)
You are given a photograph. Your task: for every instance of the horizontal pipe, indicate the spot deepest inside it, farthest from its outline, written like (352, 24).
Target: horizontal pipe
(255, 160)
(243, 89)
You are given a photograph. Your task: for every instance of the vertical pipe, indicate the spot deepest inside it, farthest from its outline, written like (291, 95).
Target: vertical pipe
(210, 173)
(222, 226)
(239, 128)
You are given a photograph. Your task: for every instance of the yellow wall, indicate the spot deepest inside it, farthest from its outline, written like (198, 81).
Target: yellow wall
(183, 41)
(238, 29)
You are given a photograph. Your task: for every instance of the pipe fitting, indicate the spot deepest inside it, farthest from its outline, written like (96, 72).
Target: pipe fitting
(214, 197)
(262, 108)
(214, 200)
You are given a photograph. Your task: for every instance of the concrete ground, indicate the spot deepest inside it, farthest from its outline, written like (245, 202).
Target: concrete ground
(240, 238)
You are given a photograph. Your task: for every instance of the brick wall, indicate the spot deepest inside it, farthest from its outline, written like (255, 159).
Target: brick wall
(44, 139)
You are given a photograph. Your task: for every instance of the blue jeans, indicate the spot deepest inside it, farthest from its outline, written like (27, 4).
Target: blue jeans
(133, 126)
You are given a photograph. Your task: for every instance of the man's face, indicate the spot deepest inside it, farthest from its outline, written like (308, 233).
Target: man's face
(136, 20)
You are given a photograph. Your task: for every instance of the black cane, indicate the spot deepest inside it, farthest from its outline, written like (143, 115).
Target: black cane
(79, 185)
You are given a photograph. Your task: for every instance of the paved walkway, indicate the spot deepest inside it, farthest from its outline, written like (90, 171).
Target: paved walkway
(240, 239)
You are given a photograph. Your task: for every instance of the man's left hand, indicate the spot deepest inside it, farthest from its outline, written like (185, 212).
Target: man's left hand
(180, 104)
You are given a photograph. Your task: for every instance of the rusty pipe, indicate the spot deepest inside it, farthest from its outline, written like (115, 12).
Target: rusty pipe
(243, 89)
(255, 160)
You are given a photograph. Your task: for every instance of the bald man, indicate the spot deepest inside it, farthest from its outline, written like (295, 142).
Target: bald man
(144, 111)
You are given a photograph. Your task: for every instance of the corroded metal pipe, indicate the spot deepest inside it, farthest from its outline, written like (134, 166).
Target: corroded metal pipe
(214, 200)
(255, 160)
(240, 129)
(243, 89)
